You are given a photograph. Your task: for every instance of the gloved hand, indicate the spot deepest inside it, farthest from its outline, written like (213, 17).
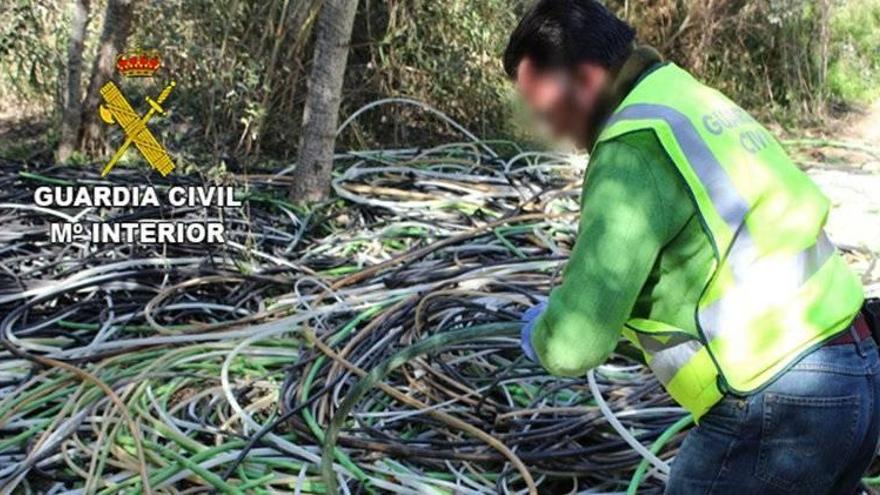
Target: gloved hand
(529, 318)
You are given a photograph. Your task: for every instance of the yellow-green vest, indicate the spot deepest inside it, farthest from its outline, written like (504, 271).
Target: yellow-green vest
(777, 289)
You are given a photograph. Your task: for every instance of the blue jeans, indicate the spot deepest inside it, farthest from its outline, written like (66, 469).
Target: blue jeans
(814, 430)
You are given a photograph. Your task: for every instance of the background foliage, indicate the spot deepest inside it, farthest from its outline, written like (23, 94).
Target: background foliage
(854, 72)
(241, 65)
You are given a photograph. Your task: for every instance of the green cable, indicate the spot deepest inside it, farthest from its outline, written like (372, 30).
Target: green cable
(193, 466)
(509, 245)
(670, 432)
(46, 179)
(872, 481)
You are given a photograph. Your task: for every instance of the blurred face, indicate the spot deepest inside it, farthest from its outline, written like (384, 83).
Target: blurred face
(562, 99)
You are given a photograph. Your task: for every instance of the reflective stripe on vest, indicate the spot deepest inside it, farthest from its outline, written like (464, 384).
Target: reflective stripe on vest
(792, 272)
(730, 205)
(668, 356)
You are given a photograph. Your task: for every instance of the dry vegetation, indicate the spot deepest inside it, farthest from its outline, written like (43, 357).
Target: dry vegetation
(243, 65)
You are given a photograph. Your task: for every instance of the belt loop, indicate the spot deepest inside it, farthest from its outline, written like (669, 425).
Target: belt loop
(856, 340)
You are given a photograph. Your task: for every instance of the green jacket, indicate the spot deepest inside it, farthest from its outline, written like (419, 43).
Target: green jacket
(640, 250)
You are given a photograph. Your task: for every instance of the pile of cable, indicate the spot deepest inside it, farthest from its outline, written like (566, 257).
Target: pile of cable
(368, 344)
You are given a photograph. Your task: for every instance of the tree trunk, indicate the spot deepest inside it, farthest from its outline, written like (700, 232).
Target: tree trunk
(71, 112)
(321, 113)
(825, 9)
(117, 26)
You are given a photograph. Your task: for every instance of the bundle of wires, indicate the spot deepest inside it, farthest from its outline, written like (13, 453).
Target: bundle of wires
(366, 345)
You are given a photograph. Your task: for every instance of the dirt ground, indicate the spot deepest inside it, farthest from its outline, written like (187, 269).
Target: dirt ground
(848, 171)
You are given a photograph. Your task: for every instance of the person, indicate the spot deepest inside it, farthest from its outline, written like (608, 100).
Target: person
(702, 243)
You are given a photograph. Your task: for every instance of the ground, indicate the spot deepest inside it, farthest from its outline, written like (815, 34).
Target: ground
(848, 171)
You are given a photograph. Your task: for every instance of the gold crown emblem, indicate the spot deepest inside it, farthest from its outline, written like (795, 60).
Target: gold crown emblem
(138, 63)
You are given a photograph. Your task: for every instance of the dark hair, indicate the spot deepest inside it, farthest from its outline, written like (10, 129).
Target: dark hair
(562, 33)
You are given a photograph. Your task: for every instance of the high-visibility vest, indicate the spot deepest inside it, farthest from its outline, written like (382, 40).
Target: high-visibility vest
(777, 288)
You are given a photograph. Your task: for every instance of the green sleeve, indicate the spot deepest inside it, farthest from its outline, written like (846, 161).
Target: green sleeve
(631, 207)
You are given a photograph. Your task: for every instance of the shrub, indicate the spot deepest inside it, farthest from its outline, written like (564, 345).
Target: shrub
(854, 73)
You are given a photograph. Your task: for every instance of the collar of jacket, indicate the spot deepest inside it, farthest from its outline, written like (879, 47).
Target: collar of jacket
(640, 62)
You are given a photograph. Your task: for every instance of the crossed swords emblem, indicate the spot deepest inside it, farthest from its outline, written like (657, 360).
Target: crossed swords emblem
(117, 109)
